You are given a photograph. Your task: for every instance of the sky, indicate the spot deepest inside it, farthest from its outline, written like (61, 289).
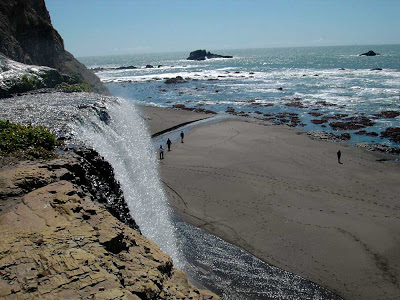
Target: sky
(115, 27)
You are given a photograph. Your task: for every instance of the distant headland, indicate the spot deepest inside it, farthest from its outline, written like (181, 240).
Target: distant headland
(203, 55)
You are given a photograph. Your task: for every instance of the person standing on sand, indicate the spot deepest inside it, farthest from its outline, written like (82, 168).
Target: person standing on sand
(339, 154)
(182, 136)
(169, 144)
(161, 152)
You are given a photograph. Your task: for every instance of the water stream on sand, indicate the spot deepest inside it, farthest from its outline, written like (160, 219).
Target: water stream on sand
(114, 128)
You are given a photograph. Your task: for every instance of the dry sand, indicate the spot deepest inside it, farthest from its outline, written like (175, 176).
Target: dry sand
(284, 198)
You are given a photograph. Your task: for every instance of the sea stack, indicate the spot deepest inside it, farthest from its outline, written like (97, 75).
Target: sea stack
(203, 55)
(369, 53)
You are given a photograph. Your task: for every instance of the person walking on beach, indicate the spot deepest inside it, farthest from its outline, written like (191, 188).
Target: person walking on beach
(169, 144)
(339, 155)
(182, 136)
(161, 152)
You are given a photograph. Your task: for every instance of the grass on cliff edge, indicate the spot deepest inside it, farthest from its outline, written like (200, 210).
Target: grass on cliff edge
(26, 142)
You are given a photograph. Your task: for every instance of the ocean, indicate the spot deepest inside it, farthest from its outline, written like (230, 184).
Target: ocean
(330, 89)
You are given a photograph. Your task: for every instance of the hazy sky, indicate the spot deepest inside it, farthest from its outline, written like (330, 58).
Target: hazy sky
(103, 27)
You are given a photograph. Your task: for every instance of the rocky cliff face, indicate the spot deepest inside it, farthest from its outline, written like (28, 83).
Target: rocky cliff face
(27, 36)
(59, 240)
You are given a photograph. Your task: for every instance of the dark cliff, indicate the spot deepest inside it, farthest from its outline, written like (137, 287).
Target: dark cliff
(27, 36)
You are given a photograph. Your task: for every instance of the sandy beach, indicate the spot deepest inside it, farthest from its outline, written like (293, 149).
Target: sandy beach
(284, 197)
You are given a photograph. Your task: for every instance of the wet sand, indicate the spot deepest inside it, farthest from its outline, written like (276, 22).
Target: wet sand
(285, 198)
(159, 119)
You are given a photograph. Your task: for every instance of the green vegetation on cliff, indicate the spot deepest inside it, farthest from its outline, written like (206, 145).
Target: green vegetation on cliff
(29, 142)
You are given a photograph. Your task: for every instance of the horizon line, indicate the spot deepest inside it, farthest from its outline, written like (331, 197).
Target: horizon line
(234, 49)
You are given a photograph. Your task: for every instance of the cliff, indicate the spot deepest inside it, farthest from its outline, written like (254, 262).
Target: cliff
(60, 237)
(27, 36)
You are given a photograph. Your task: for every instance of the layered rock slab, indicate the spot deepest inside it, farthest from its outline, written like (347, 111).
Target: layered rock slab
(58, 243)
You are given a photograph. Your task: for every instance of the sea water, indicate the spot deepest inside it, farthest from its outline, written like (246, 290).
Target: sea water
(327, 80)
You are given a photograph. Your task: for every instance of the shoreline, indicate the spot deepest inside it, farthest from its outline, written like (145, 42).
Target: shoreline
(288, 203)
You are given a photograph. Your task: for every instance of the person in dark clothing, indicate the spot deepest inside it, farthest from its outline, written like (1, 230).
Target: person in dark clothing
(182, 136)
(339, 155)
(161, 152)
(169, 144)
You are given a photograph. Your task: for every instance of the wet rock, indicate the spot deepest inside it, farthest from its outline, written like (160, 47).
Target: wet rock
(325, 103)
(295, 103)
(379, 148)
(392, 133)
(353, 123)
(345, 136)
(376, 69)
(96, 175)
(389, 114)
(322, 135)
(149, 67)
(317, 121)
(360, 120)
(230, 109)
(177, 79)
(345, 126)
(363, 132)
(315, 114)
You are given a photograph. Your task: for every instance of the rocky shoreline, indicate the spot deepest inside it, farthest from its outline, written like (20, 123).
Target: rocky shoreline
(66, 232)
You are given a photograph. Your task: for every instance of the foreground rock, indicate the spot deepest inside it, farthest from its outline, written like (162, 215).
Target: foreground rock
(58, 242)
(203, 55)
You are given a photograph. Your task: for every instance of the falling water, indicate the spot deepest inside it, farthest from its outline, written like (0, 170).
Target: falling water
(125, 143)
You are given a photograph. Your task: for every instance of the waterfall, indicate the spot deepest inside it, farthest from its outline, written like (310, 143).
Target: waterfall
(124, 141)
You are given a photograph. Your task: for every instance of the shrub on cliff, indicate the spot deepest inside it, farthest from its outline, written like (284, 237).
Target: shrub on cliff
(28, 142)
(71, 88)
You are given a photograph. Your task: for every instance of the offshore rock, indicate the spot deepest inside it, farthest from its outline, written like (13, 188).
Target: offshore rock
(58, 242)
(203, 55)
(27, 36)
(369, 53)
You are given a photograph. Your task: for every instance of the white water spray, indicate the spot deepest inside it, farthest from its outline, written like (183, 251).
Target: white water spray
(126, 144)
